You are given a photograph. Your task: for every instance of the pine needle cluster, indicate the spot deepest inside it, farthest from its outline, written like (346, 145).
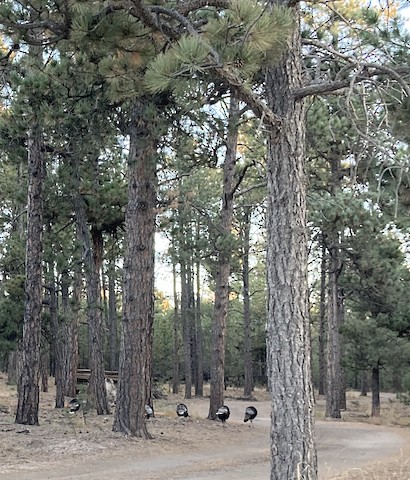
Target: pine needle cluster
(245, 37)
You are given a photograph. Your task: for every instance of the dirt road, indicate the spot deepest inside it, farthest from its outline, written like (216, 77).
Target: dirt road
(202, 450)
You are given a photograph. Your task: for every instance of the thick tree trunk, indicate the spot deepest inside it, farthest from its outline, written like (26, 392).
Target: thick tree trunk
(375, 392)
(293, 452)
(28, 384)
(223, 266)
(247, 330)
(135, 369)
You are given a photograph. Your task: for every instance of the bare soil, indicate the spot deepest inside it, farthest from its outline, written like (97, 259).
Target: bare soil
(83, 446)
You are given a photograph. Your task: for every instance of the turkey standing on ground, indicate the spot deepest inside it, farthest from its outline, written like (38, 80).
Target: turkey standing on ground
(250, 414)
(223, 414)
(74, 405)
(182, 410)
(149, 411)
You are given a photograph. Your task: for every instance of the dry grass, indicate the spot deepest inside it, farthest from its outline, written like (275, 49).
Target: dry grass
(398, 469)
(393, 413)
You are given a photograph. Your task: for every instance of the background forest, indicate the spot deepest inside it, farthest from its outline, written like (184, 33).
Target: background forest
(88, 89)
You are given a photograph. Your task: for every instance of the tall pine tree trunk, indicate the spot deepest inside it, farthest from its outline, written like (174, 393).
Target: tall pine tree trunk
(334, 374)
(69, 330)
(247, 330)
(376, 391)
(293, 452)
(58, 339)
(322, 322)
(175, 336)
(186, 316)
(135, 368)
(223, 265)
(199, 380)
(97, 394)
(363, 383)
(112, 318)
(28, 383)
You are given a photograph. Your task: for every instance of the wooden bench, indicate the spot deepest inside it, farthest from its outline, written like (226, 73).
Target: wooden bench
(83, 375)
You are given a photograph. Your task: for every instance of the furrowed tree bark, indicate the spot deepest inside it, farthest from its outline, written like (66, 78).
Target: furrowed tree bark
(223, 266)
(28, 383)
(293, 453)
(135, 370)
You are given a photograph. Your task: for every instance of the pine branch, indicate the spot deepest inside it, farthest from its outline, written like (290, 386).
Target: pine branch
(194, 5)
(258, 106)
(43, 24)
(240, 177)
(249, 189)
(321, 88)
(145, 14)
(367, 71)
(27, 29)
(177, 16)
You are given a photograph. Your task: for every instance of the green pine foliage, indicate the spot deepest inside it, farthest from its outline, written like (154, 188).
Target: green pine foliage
(246, 36)
(380, 348)
(11, 312)
(250, 33)
(183, 61)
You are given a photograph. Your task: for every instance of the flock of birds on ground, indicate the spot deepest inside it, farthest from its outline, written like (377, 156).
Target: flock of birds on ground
(222, 413)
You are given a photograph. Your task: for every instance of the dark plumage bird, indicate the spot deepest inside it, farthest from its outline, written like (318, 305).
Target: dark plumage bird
(223, 414)
(182, 410)
(74, 405)
(250, 414)
(149, 411)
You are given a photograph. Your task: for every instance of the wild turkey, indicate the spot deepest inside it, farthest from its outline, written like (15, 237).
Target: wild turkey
(74, 405)
(182, 410)
(250, 414)
(149, 411)
(223, 414)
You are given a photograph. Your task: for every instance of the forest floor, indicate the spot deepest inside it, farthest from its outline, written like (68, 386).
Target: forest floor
(77, 446)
